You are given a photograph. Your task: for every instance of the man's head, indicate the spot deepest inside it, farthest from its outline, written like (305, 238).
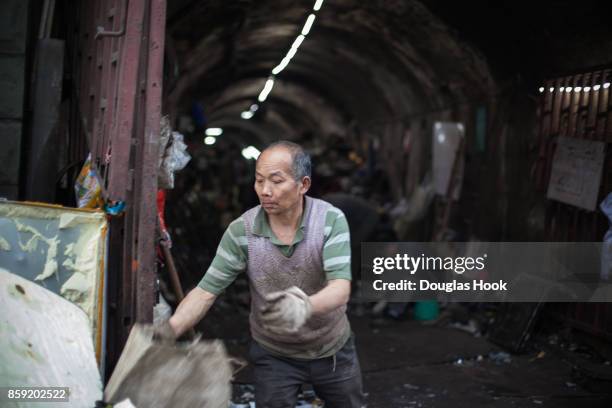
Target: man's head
(282, 177)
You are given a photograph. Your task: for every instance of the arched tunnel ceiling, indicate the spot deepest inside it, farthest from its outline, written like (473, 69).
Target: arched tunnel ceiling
(374, 60)
(362, 61)
(306, 109)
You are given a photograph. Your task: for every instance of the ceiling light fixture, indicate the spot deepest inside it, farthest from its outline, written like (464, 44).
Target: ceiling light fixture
(266, 90)
(283, 64)
(298, 41)
(213, 132)
(309, 22)
(250, 152)
(291, 53)
(263, 95)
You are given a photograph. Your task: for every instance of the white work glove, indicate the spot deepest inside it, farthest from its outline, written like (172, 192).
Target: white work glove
(286, 311)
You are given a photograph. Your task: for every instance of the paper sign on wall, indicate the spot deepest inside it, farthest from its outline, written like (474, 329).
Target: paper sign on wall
(576, 172)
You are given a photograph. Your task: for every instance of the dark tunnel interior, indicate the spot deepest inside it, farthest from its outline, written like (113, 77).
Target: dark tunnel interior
(468, 126)
(361, 94)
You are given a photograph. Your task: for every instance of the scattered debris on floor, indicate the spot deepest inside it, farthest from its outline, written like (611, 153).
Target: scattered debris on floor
(500, 357)
(244, 397)
(419, 365)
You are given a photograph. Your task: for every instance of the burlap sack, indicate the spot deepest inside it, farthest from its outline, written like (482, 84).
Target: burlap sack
(152, 374)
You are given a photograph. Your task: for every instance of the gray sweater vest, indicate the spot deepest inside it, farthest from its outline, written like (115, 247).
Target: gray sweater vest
(270, 271)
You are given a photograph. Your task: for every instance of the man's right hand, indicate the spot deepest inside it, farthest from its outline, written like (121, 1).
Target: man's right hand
(188, 313)
(163, 332)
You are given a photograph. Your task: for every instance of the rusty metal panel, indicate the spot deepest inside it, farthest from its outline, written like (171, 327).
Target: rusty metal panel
(114, 21)
(607, 78)
(549, 96)
(556, 106)
(120, 63)
(148, 171)
(123, 124)
(585, 96)
(574, 114)
(574, 104)
(594, 100)
(605, 92)
(584, 114)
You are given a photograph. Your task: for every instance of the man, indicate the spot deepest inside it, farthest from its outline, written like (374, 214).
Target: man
(296, 253)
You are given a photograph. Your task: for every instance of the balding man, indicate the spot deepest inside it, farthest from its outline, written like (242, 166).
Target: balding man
(296, 253)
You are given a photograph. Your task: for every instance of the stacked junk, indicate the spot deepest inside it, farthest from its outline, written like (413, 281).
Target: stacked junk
(52, 266)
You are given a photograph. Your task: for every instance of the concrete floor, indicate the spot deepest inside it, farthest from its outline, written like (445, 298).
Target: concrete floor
(408, 364)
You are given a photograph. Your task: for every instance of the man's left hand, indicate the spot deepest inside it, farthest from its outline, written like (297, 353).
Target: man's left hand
(286, 311)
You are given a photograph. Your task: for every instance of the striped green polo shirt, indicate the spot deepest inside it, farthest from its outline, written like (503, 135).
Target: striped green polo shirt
(232, 252)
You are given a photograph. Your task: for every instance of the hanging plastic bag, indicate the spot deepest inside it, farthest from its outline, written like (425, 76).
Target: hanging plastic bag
(87, 187)
(176, 159)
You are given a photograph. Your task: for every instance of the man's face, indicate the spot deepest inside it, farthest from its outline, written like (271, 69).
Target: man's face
(275, 186)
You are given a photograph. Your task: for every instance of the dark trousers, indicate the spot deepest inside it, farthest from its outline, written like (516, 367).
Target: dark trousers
(336, 380)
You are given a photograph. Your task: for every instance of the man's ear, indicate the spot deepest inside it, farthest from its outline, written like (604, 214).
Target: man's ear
(306, 182)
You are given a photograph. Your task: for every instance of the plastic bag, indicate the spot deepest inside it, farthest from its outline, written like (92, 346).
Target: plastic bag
(87, 188)
(177, 156)
(176, 159)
